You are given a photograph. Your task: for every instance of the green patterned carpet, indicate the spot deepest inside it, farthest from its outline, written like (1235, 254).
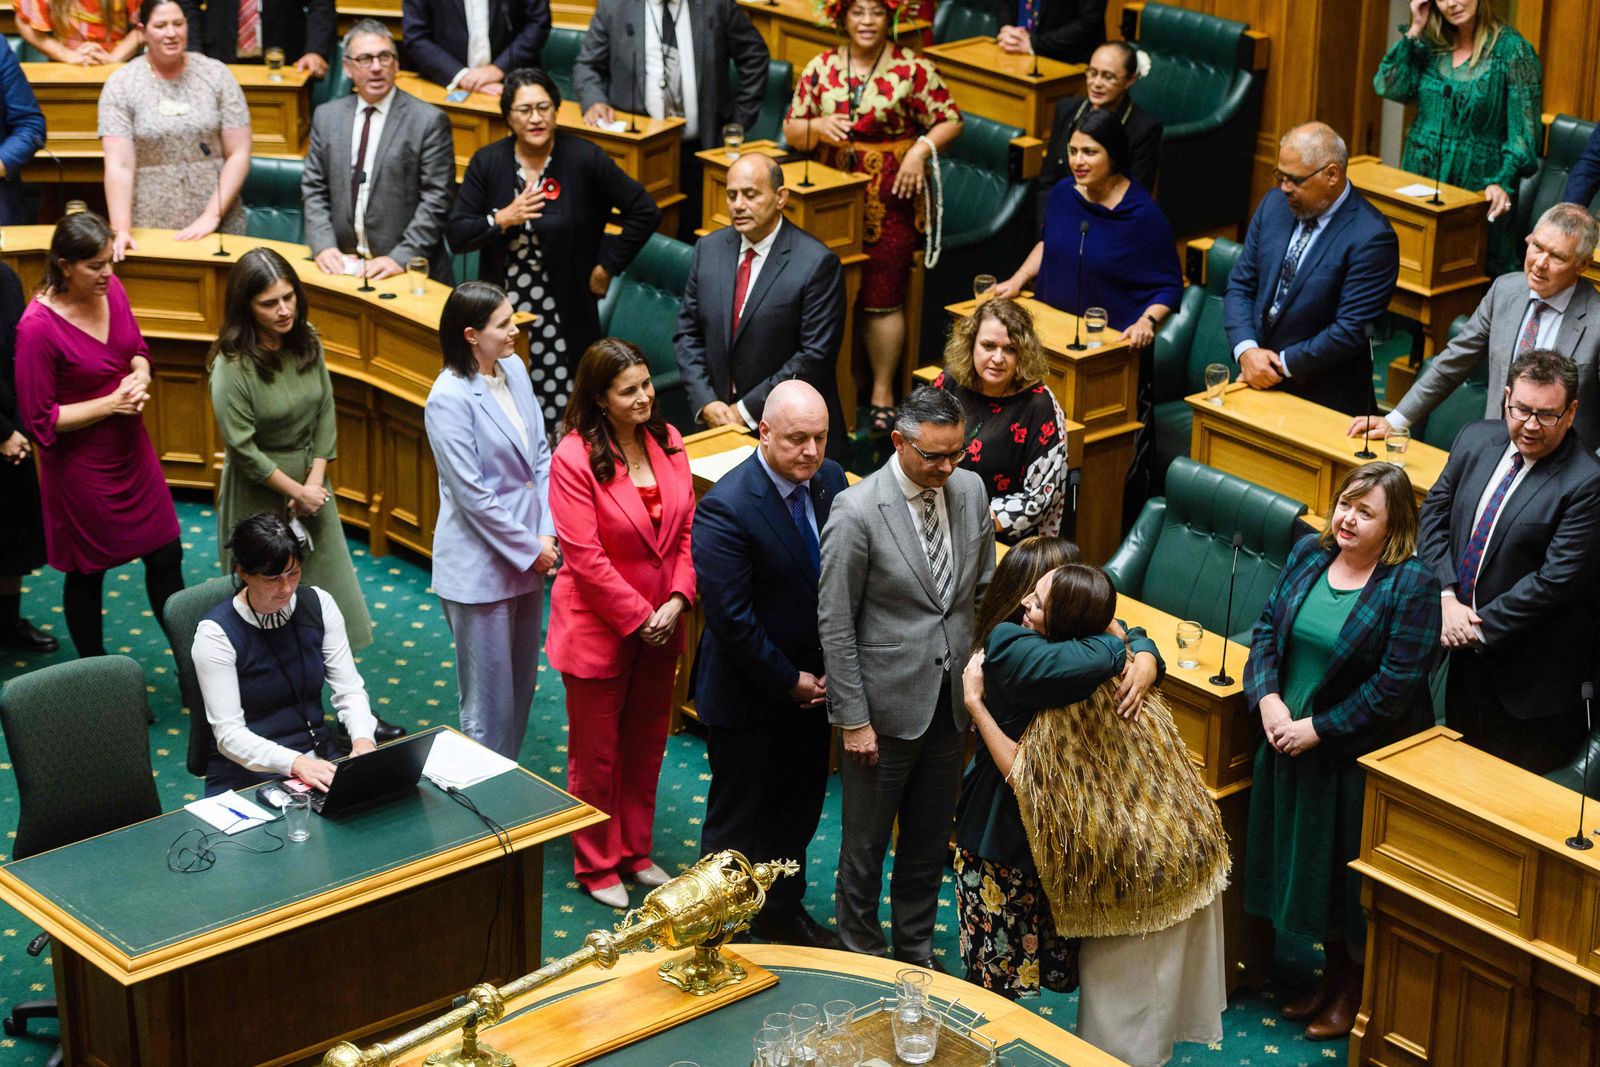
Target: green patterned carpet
(410, 673)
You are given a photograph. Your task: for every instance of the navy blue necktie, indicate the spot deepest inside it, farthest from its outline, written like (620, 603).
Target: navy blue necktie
(797, 511)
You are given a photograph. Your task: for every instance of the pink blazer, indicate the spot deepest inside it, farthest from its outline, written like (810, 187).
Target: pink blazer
(617, 567)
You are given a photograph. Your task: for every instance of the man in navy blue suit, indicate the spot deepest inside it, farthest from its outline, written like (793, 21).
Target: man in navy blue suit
(1584, 181)
(760, 688)
(1318, 266)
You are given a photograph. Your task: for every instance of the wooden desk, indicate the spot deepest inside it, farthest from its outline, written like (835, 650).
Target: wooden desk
(1481, 944)
(1099, 388)
(723, 1036)
(280, 115)
(383, 356)
(649, 155)
(1292, 446)
(988, 81)
(1222, 735)
(385, 11)
(793, 32)
(160, 969)
(832, 208)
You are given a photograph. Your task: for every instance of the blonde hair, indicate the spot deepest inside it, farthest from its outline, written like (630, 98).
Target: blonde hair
(1031, 364)
(1485, 30)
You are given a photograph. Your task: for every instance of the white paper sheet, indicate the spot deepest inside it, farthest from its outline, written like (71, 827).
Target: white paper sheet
(1416, 189)
(713, 467)
(458, 760)
(223, 811)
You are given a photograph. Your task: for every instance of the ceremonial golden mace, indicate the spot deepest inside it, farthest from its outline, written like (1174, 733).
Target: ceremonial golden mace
(701, 908)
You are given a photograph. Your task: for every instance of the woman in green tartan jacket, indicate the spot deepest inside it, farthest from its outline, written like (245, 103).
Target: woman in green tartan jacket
(1478, 87)
(1339, 665)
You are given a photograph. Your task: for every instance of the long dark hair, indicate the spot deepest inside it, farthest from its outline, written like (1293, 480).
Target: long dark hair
(469, 304)
(262, 544)
(240, 336)
(1014, 578)
(599, 367)
(76, 238)
(1106, 129)
(1082, 603)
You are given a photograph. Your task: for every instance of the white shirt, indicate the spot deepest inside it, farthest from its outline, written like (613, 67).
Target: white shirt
(1500, 470)
(1549, 328)
(913, 493)
(1320, 222)
(478, 54)
(653, 96)
(762, 248)
(501, 391)
(215, 666)
(374, 138)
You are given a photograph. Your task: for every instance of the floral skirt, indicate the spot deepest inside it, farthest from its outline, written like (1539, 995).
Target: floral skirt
(1008, 940)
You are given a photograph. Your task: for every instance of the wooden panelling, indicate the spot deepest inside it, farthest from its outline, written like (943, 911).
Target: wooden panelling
(1566, 34)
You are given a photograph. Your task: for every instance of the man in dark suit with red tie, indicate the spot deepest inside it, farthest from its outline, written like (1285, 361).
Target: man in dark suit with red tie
(760, 686)
(1512, 529)
(764, 303)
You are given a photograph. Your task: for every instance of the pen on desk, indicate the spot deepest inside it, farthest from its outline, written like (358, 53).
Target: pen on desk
(455, 81)
(236, 813)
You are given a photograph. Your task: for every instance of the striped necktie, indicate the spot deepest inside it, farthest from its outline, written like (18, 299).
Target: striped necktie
(249, 41)
(933, 541)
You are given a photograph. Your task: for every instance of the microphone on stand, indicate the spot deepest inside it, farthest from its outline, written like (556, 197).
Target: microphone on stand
(205, 150)
(638, 99)
(805, 178)
(1077, 344)
(1372, 368)
(1438, 169)
(1221, 677)
(1578, 842)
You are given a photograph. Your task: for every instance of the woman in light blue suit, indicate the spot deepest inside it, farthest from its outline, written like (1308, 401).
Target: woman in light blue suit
(494, 540)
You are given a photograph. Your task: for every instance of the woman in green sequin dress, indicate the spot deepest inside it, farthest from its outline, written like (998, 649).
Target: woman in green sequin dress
(1478, 87)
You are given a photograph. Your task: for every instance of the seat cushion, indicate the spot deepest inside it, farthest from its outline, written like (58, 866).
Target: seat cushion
(954, 20)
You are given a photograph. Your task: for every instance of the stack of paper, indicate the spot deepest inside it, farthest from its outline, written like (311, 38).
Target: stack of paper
(714, 466)
(230, 812)
(457, 760)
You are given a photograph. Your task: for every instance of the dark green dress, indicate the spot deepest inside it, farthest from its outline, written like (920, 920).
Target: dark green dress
(1305, 810)
(284, 424)
(1485, 132)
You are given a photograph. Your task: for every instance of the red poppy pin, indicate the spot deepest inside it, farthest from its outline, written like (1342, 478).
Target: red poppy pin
(551, 189)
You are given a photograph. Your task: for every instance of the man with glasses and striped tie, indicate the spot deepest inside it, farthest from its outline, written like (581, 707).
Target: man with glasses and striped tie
(1512, 527)
(906, 556)
(1318, 266)
(1546, 304)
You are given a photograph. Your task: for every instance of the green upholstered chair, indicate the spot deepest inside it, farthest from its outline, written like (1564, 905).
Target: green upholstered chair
(956, 20)
(1202, 88)
(560, 52)
(24, 51)
(642, 305)
(1178, 554)
(180, 618)
(988, 221)
(1465, 404)
(1564, 143)
(271, 197)
(81, 753)
(774, 103)
(1192, 337)
(336, 84)
(1571, 776)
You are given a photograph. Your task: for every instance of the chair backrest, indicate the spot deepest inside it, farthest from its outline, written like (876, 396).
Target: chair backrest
(271, 198)
(977, 173)
(337, 84)
(1465, 403)
(80, 749)
(1181, 370)
(1195, 60)
(1565, 143)
(180, 618)
(24, 51)
(642, 305)
(560, 52)
(1187, 575)
(774, 103)
(956, 20)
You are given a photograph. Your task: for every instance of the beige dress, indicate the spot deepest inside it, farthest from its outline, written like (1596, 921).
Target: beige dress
(168, 122)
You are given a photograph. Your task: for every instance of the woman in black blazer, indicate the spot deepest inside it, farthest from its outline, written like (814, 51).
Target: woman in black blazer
(525, 195)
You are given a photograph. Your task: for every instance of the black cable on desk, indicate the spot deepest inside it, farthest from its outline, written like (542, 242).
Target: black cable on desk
(503, 837)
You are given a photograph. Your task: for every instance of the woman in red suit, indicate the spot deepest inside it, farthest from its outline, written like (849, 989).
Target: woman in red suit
(623, 500)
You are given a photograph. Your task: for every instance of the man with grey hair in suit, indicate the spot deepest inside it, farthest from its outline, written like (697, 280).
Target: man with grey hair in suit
(1546, 305)
(906, 556)
(379, 170)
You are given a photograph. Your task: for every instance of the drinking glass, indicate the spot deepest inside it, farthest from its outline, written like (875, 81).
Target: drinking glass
(912, 984)
(74, 207)
(732, 140)
(417, 271)
(838, 1014)
(1190, 634)
(297, 816)
(683, 1063)
(1094, 324)
(771, 1047)
(1216, 380)
(982, 284)
(1396, 444)
(840, 1049)
(916, 1031)
(806, 1023)
(274, 58)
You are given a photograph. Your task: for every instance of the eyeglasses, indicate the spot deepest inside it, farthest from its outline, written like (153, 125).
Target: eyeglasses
(1546, 419)
(1279, 177)
(367, 59)
(522, 111)
(940, 457)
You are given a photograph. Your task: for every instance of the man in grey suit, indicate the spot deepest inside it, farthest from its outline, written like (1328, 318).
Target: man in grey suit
(1548, 304)
(764, 303)
(906, 556)
(379, 169)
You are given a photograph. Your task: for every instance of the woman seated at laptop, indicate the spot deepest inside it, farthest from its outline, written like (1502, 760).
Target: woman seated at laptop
(261, 658)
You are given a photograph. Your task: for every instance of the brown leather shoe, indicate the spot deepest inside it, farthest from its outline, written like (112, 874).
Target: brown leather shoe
(1309, 1004)
(1338, 1017)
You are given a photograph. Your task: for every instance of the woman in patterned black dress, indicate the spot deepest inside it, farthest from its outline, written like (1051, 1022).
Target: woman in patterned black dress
(535, 195)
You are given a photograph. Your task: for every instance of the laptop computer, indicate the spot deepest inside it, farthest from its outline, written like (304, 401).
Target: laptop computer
(382, 773)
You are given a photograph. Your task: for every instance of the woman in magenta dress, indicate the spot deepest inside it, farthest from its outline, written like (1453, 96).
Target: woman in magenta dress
(83, 377)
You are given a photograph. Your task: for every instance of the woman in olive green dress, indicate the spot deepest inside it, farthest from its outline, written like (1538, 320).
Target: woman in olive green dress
(1338, 666)
(1478, 87)
(274, 405)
